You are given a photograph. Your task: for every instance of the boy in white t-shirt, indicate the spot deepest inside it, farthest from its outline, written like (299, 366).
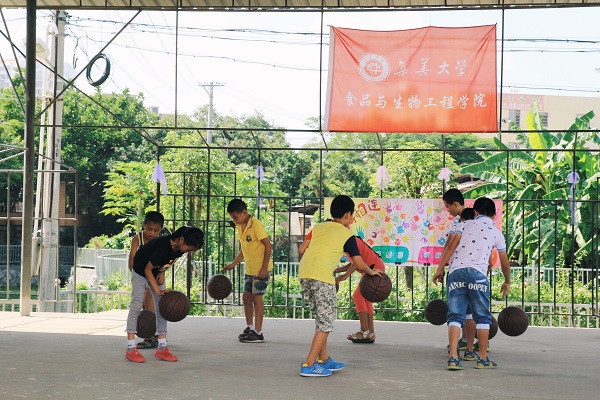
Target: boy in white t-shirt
(469, 255)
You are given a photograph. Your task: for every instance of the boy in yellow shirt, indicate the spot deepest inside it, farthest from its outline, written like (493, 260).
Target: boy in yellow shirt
(330, 240)
(256, 250)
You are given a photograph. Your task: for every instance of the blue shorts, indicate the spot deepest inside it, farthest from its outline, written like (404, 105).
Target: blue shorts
(255, 285)
(467, 286)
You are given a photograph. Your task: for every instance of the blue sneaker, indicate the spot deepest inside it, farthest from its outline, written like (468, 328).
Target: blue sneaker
(314, 370)
(331, 365)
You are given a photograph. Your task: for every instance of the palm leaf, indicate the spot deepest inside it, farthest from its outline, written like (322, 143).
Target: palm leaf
(557, 194)
(488, 190)
(488, 164)
(522, 157)
(528, 192)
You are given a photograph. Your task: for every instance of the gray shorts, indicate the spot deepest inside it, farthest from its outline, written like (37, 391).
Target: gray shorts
(255, 285)
(138, 290)
(322, 300)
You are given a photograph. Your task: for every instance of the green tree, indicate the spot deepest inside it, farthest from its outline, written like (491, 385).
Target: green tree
(344, 169)
(12, 130)
(129, 192)
(249, 132)
(92, 151)
(248, 141)
(289, 173)
(187, 169)
(450, 142)
(414, 174)
(10, 105)
(352, 170)
(192, 174)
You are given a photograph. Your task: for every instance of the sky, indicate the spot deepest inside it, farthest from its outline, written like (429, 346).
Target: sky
(269, 61)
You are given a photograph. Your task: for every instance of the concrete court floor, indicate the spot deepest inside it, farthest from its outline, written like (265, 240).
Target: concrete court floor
(81, 356)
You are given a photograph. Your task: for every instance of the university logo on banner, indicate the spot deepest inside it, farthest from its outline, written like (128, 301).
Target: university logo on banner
(420, 80)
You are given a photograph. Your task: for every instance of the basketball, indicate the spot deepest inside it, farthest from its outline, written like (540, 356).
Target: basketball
(493, 328)
(174, 306)
(146, 324)
(219, 287)
(513, 321)
(436, 312)
(375, 288)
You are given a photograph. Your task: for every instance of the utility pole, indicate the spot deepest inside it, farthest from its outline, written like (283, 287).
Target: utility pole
(49, 283)
(208, 88)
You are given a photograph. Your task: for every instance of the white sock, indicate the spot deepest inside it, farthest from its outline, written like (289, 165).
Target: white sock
(258, 332)
(162, 343)
(130, 344)
(251, 327)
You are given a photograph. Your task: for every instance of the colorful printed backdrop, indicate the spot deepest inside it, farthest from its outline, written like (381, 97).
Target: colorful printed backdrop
(406, 231)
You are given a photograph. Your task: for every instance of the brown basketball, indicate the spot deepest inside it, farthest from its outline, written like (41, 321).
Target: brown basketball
(513, 321)
(375, 288)
(436, 312)
(493, 328)
(174, 306)
(219, 287)
(146, 324)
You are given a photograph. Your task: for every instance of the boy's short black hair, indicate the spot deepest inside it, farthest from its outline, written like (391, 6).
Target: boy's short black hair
(154, 217)
(236, 206)
(467, 214)
(485, 206)
(341, 205)
(452, 195)
(192, 236)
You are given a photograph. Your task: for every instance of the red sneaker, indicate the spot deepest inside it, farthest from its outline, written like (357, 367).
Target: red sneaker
(134, 356)
(165, 355)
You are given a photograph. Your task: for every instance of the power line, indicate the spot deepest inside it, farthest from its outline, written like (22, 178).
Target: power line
(279, 37)
(209, 33)
(171, 53)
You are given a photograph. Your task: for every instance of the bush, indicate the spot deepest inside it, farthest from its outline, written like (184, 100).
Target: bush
(411, 290)
(119, 241)
(280, 305)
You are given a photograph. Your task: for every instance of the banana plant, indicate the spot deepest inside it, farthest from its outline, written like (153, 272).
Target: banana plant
(533, 183)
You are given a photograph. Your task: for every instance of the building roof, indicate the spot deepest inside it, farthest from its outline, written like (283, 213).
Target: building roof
(299, 5)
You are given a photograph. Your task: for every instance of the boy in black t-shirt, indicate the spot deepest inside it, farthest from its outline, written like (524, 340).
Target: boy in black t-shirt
(149, 266)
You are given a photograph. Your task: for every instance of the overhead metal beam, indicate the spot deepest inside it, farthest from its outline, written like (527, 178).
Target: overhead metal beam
(294, 5)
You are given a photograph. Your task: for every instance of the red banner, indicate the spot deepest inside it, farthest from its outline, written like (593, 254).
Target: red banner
(420, 80)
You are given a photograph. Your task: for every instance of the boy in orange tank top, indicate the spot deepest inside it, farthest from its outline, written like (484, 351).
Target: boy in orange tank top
(364, 308)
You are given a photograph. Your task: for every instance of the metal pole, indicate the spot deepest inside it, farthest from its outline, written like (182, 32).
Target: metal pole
(210, 92)
(49, 283)
(176, 62)
(210, 113)
(27, 227)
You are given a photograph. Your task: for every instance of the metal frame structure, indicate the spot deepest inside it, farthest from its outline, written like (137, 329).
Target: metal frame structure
(321, 7)
(291, 5)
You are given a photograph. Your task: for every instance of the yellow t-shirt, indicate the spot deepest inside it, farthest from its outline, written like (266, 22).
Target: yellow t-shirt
(252, 247)
(324, 252)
